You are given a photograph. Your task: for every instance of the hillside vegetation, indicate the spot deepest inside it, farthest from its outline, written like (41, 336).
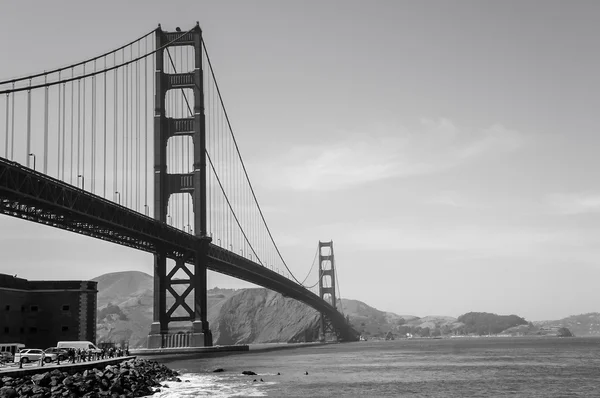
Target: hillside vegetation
(481, 323)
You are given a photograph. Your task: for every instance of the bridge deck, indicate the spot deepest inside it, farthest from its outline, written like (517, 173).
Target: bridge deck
(33, 196)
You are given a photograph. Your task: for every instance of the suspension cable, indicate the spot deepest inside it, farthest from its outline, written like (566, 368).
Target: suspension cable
(30, 87)
(242, 163)
(312, 266)
(18, 79)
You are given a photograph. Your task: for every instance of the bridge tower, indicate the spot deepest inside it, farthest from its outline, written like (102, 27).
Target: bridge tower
(167, 184)
(327, 285)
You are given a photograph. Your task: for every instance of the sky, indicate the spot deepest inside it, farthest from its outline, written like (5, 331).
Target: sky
(449, 149)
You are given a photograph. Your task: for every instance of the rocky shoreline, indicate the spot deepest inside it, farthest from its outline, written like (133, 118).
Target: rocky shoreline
(132, 378)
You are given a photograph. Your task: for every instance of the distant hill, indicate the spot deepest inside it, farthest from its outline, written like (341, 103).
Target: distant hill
(583, 325)
(482, 323)
(119, 287)
(125, 301)
(373, 323)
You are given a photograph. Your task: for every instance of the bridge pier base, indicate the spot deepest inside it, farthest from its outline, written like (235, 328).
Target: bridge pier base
(201, 335)
(155, 339)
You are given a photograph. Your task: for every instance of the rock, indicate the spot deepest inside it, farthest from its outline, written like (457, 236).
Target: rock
(134, 378)
(8, 392)
(41, 379)
(218, 370)
(248, 373)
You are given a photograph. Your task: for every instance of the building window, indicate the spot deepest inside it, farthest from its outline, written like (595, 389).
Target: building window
(34, 308)
(65, 329)
(22, 308)
(65, 307)
(7, 307)
(6, 329)
(22, 330)
(33, 330)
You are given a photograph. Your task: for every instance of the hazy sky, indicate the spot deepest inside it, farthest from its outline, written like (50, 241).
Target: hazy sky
(449, 148)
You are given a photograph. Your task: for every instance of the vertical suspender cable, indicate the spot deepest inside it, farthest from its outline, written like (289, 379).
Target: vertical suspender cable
(93, 185)
(104, 126)
(72, 149)
(127, 131)
(83, 134)
(28, 124)
(45, 168)
(146, 128)
(64, 121)
(12, 128)
(6, 138)
(115, 129)
(78, 127)
(123, 134)
(58, 133)
(137, 132)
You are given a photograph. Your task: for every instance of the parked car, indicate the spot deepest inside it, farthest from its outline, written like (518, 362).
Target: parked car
(33, 354)
(61, 354)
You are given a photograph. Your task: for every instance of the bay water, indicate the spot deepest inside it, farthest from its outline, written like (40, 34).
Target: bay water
(453, 367)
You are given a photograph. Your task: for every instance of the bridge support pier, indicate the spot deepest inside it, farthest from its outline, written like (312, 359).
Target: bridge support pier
(192, 182)
(327, 286)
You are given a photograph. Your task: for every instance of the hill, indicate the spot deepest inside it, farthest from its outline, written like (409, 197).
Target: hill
(482, 323)
(125, 305)
(125, 301)
(583, 325)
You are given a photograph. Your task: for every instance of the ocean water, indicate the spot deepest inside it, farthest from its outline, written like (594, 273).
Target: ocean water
(461, 367)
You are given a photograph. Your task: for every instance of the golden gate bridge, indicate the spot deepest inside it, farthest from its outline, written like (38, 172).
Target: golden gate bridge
(135, 147)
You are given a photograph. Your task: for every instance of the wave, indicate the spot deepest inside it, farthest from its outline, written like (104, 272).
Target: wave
(203, 385)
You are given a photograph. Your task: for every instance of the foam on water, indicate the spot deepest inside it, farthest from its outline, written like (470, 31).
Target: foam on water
(203, 385)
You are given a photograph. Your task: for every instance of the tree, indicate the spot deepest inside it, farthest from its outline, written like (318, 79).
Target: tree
(564, 332)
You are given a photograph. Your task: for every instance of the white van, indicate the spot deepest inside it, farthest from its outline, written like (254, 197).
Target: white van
(8, 350)
(78, 345)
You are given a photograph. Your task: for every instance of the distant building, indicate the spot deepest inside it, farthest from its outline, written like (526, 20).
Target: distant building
(41, 313)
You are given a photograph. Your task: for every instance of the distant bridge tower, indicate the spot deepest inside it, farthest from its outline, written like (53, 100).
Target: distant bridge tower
(327, 285)
(167, 184)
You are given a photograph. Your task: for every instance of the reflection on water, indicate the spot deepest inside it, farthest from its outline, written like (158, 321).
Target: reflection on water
(529, 367)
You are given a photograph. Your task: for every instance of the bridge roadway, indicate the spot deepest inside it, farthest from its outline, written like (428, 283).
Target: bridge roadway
(34, 196)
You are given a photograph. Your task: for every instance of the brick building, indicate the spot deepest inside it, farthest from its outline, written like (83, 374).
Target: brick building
(41, 313)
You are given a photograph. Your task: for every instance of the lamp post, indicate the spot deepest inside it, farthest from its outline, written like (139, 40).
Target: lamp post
(82, 181)
(33, 154)
(118, 195)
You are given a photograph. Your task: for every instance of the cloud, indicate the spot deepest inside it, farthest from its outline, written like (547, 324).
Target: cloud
(574, 203)
(432, 147)
(450, 199)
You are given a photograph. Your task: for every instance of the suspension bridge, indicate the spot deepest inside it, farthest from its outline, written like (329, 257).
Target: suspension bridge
(135, 147)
